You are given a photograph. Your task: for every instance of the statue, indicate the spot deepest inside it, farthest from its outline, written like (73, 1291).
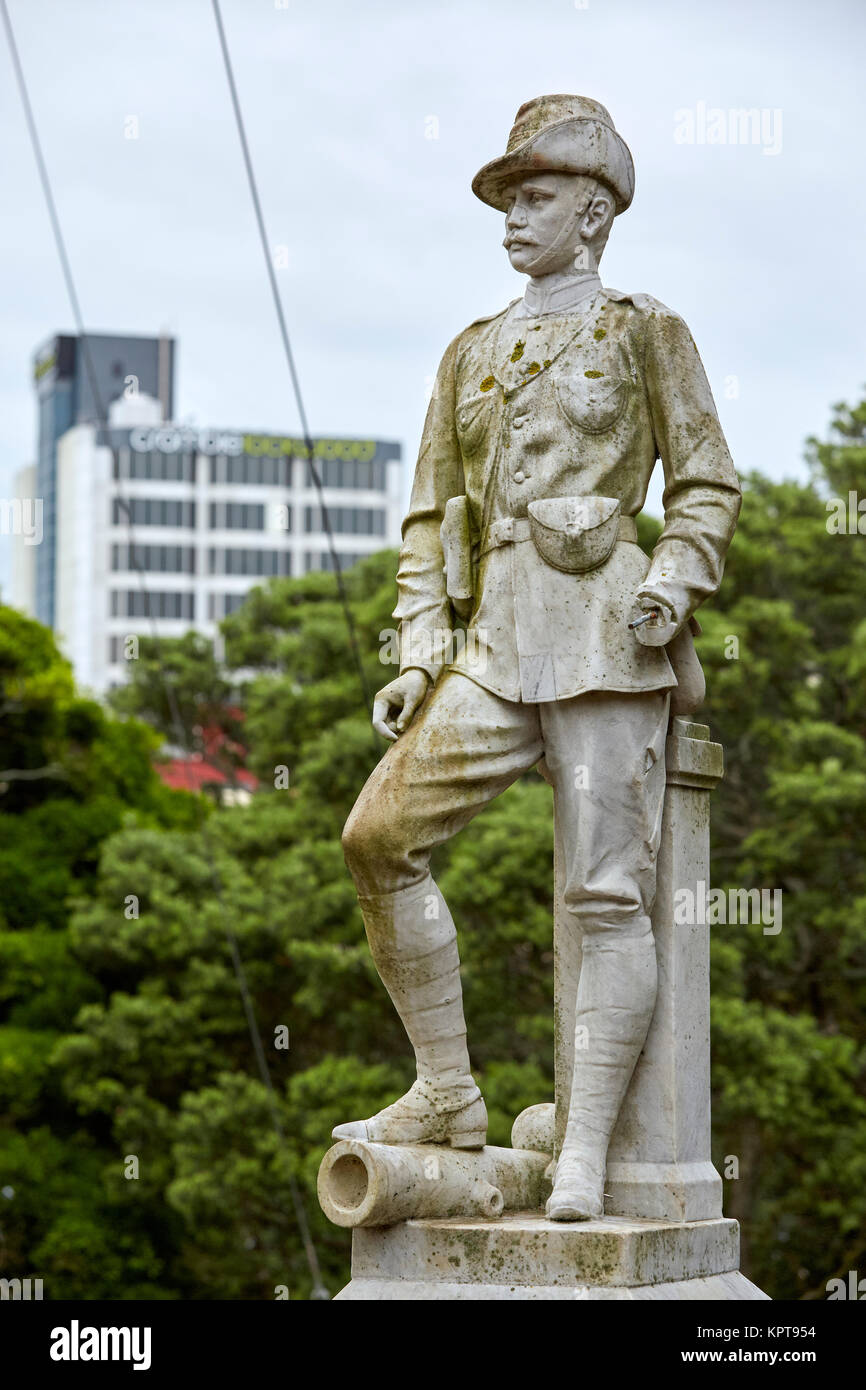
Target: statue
(544, 427)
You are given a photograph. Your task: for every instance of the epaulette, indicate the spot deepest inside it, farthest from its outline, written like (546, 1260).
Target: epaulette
(645, 302)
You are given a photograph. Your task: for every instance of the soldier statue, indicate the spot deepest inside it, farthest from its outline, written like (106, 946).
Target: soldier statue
(543, 430)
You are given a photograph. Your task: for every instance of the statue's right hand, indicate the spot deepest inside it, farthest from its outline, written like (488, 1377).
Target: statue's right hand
(395, 705)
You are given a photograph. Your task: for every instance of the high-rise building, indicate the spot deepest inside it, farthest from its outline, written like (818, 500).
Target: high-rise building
(152, 521)
(73, 377)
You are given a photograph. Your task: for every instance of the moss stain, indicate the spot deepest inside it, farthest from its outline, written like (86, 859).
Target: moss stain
(518, 351)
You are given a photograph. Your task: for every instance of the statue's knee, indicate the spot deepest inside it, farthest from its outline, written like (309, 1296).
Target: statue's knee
(368, 842)
(602, 916)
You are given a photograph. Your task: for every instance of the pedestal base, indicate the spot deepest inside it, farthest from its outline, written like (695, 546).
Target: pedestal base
(524, 1256)
(663, 1191)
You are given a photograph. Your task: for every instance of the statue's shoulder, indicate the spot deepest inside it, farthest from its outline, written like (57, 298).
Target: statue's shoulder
(470, 336)
(645, 305)
(477, 325)
(475, 336)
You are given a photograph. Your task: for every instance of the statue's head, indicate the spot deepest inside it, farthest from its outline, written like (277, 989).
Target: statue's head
(565, 175)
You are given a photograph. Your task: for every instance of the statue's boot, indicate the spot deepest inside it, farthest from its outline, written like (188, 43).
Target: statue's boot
(414, 946)
(615, 1001)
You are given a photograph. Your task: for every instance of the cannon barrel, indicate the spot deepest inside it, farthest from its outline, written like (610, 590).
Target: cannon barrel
(364, 1184)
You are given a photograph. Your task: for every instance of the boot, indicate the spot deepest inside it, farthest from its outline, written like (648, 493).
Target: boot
(615, 1001)
(414, 946)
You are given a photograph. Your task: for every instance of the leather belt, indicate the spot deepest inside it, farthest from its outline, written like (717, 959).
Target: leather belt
(510, 530)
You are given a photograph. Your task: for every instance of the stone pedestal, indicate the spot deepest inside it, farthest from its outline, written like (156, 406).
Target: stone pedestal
(524, 1257)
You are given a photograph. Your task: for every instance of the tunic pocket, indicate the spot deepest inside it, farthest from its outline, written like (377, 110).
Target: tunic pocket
(594, 404)
(473, 421)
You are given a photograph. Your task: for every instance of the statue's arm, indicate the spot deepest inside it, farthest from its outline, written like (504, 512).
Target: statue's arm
(423, 607)
(702, 494)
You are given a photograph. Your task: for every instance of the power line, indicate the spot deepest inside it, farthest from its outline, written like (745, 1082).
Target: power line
(290, 359)
(318, 1290)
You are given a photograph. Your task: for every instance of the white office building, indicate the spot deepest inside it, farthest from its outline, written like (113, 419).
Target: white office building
(213, 512)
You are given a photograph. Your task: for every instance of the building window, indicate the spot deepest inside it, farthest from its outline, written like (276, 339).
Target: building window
(323, 560)
(254, 562)
(154, 466)
(167, 559)
(223, 605)
(347, 521)
(246, 470)
(366, 476)
(237, 516)
(153, 511)
(133, 603)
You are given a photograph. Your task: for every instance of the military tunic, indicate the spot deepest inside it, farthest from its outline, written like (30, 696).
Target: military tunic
(574, 403)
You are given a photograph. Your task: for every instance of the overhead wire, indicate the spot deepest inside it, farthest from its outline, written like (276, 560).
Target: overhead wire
(318, 1289)
(290, 358)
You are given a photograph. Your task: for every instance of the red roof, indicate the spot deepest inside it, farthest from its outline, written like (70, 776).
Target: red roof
(193, 773)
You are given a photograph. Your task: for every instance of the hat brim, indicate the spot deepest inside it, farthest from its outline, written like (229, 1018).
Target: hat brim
(579, 145)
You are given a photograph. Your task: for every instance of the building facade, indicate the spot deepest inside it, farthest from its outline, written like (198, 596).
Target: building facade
(158, 524)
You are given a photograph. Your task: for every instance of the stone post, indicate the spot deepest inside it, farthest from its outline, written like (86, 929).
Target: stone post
(659, 1165)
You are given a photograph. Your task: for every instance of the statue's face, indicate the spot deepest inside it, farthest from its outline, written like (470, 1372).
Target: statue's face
(547, 223)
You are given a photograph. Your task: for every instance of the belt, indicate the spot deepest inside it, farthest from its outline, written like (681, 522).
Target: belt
(510, 530)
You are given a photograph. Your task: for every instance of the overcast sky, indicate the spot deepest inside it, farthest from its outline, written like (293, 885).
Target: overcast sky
(759, 246)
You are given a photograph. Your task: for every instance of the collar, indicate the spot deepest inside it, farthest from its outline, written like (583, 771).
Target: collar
(559, 298)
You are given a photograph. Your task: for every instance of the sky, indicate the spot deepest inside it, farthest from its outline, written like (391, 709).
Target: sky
(366, 123)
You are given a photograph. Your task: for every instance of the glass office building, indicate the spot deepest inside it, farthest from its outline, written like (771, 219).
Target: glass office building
(69, 391)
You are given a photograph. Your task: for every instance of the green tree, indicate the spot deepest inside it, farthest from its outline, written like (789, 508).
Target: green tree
(177, 686)
(71, 777)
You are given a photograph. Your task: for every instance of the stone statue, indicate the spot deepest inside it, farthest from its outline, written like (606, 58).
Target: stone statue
(545, 425)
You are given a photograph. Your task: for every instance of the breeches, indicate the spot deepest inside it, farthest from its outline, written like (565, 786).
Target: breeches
(605, 756)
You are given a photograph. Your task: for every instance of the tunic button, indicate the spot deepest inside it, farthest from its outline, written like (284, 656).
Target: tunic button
(520, 476)
(519, 421)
